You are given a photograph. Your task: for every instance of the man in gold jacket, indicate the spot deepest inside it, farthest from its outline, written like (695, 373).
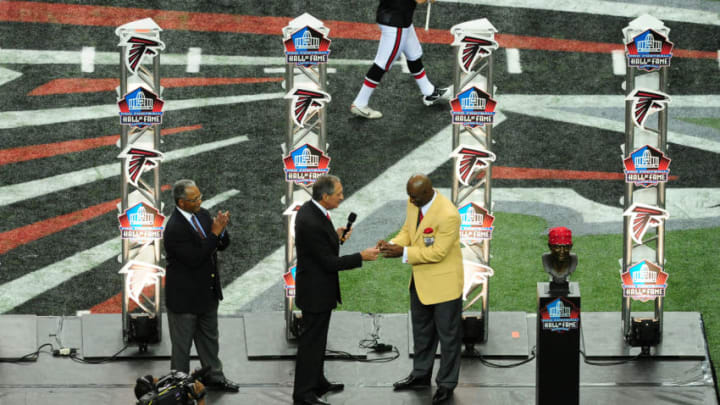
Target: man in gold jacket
(430, 241)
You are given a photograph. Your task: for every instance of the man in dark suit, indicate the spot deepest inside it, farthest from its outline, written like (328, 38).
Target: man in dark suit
(317, 285)
(192, 282)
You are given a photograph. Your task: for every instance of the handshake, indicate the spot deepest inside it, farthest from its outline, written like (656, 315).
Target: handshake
(387, 249)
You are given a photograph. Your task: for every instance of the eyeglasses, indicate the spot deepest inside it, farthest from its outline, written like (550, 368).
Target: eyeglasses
(194, 200)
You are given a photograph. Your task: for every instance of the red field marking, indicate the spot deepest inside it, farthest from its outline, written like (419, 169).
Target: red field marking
(19, 236)
(50, 13)
(25, 153)
(66, 86)
(523, 173)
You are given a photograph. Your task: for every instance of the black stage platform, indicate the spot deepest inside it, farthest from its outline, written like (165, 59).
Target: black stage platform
(680, 373)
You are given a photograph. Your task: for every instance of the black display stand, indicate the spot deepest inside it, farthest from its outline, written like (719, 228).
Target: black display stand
(557, 377)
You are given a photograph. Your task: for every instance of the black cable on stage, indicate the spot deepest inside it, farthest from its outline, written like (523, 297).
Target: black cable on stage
(610, 362)
(372, 343)
(497, 365)
(77, 359)
(30, 356)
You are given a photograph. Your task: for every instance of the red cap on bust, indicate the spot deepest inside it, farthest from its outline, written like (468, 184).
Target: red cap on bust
(560, 236)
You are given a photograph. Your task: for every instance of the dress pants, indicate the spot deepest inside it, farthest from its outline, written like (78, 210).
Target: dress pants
(203, 330)
(310, 359)
(432, 324)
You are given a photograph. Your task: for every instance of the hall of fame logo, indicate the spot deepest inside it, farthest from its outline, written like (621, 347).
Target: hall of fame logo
(644, 281)
(473, 49)
(469, 161)
(139, 160)
(289, 281)
(305, 164)
(645, 103)
(476, 224)
(306, 103)
(643, 217)
(307, 47)
(646, 166)
(137, 48)
(139, 276)
(141, 223)
(473, 107)
(141, 108)
(560, 315)
(649, 51)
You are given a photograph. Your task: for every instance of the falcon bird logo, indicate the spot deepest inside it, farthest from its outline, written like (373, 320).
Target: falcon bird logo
(642, 217)
(475, 275)
(137, 47)
(305, 103)
(469, 160)
(472, 49)
(646, 103)
(138, 161)
(139, 276)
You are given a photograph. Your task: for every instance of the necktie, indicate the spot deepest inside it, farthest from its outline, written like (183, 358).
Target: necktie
(420, 218)
(197, 226)
(328, 216)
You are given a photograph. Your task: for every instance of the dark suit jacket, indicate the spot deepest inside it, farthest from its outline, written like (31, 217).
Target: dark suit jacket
(192, 280)
(318, 261)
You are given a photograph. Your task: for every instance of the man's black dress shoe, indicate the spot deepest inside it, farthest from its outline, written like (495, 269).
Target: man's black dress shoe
(222, 385)
(412, 382)
(310, 400)
(441, 395)
(329, 387)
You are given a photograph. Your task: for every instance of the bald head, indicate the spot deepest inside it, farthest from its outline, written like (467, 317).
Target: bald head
(419, 189)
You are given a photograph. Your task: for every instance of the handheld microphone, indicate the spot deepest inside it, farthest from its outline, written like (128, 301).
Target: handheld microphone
(351, 218)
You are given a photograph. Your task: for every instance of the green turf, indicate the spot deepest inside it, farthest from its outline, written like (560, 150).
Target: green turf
(517, 245)
(706, 122)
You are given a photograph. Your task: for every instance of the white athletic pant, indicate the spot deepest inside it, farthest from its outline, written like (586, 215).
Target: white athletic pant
(395, 40)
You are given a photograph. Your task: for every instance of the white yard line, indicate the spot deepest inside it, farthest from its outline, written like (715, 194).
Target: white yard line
(16, 119)
(87, 59)
(611, 8)
(513, 60)
(31, 285)
(618, 62)
(194, 57)
(44, 57)
(36, 188)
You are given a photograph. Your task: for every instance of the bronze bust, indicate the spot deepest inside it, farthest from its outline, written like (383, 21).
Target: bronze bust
(559, 263)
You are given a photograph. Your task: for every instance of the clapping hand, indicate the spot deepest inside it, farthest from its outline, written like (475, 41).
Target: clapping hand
(220, 222)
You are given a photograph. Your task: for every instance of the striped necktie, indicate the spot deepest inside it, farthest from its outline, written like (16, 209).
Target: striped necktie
(198, 228)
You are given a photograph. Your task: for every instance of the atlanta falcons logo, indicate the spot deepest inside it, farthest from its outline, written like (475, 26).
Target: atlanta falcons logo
(646, 103)
(472, 49)
(138, 161)
(475, 275)
(137, 47)
(642, 217)
(139, 276)
(291, 211)
(305, 103)
(469, 160)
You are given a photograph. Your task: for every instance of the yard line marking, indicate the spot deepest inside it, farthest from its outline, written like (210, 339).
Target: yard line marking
(25, 153)
(17, 119)
(390, 185)
(611, 8)
(87, 59)
(37, 282)
(513, 60)
(608, 124)
(194, 56)
(65, 86)
(7, 75)
(618, 62)
(36, 188)
(718, 57)
(20, 236)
